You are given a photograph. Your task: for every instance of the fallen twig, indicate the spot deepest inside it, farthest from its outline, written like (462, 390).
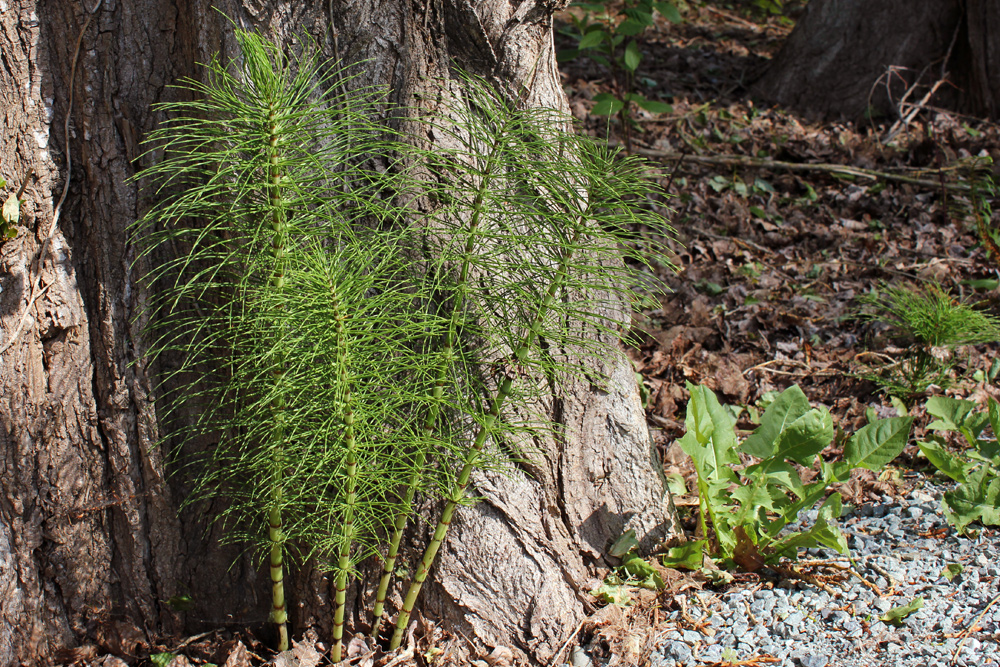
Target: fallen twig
(735, 19)
(969, 630)
(829, 563)
(888, 577)
(905, 119)
(823, 167)
(809, 370)
(749, 662)
(555, 658)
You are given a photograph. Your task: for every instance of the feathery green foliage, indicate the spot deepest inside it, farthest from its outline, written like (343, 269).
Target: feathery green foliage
(347, 353)
(527, 256)
(288, 307)
(925, 319)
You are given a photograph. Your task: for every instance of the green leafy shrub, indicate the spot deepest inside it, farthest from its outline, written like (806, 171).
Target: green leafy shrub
(290, 315)
(749, 505)
(613, 40)
(929, 321)
(977, 469)
(345, 353)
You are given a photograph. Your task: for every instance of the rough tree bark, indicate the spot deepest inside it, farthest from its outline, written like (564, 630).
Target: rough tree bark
(837, 60)
(90, 541)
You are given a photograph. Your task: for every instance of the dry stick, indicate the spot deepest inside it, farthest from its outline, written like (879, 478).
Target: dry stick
(352, 481)
(887, 76)
(843, 568)
(969, 630)
(916, 108)
(555, 658)
(767, 163)
(24, 183)
(35, 294)
(477, 446)
(908, 118)
(735, 19)
(430, 423)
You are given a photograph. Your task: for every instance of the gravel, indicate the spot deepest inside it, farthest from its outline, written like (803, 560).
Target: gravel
(802, 625)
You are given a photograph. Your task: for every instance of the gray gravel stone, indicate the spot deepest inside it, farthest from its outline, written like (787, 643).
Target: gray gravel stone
(804, 626)
(815, 660)
(679, 651)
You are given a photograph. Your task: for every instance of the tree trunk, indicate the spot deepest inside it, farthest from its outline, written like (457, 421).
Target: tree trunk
(851, 57)
(91, 544)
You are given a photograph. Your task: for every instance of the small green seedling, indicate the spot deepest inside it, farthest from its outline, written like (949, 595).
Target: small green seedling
(927, 320)
(613, 40)
(952, 570)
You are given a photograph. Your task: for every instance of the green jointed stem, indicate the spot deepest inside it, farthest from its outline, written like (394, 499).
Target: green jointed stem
(471, 459)
(279, 614)
(430, 423)
(347, 534)
(390, 560)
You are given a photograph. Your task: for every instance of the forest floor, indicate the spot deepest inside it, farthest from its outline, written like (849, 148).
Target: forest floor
(771, 260)
(771, 263)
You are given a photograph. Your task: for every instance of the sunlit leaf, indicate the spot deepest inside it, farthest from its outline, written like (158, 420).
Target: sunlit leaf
(878, 443)
(897, 615)
(782, 411)
(943, 460)
(11, 210)
(688, 556)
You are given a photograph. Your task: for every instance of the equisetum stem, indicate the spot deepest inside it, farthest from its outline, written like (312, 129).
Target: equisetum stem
(430, 423)
(472, 457)
(397, 535)
(347, 534)
(279, 613)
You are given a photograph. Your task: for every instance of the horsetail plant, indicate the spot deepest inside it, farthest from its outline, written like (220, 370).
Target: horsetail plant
(528, 261)
(287, 305)
(347, 353)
